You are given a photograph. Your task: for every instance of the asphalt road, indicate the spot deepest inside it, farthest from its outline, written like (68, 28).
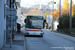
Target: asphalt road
(50, 41)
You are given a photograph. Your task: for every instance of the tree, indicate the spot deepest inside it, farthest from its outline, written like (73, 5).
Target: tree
(50, 13)
(65, 4)
(56, 14)
(73, 9)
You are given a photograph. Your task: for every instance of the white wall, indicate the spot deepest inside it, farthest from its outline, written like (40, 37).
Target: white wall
(55, 25)
(23, 18)
(2, 23)
(19, 15)
(18, 12)
(18, 1)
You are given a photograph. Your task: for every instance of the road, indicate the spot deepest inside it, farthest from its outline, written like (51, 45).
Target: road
(50, 41)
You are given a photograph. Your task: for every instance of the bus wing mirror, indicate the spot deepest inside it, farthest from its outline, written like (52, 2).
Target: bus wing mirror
(45, 21)
(25, 20)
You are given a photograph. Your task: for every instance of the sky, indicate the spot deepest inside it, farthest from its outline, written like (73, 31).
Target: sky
(30, 3)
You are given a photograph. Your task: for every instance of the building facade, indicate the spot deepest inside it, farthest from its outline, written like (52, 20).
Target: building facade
(2, 23)
(18, 11)
(23, 16)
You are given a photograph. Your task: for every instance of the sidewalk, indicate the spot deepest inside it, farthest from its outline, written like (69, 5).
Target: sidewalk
(17, 43)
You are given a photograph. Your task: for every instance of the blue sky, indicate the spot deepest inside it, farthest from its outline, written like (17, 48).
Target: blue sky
(30, 3)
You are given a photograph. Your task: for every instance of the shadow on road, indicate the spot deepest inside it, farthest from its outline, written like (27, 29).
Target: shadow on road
(32, 36)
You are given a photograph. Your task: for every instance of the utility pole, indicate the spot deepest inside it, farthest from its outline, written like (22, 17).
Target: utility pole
(48, 16)
(42, 12)
(71, 15)
(59, 12)
(40, 8)
(45, 15)
(53, 15)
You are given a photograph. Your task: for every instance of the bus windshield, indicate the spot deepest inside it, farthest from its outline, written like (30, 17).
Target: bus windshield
(37, 24)
(34, 22)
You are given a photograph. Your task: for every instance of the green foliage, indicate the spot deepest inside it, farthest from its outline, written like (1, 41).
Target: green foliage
(65, 21)
(73, 21)
(73, 9)
(72, 30)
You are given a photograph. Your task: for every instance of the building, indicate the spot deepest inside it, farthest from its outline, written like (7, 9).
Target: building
(18, 11)
(23, 16)
(55, 24)
(4, 4)
(2, 23)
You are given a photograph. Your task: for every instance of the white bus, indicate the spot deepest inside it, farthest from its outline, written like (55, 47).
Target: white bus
(34, 25)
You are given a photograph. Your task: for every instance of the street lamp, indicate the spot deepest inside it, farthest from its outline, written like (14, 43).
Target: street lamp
(48, 13)
(53, 15)
(41, 13)
(52, 12)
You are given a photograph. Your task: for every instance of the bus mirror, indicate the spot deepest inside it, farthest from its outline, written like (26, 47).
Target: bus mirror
(25, 20)
(45, 21)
